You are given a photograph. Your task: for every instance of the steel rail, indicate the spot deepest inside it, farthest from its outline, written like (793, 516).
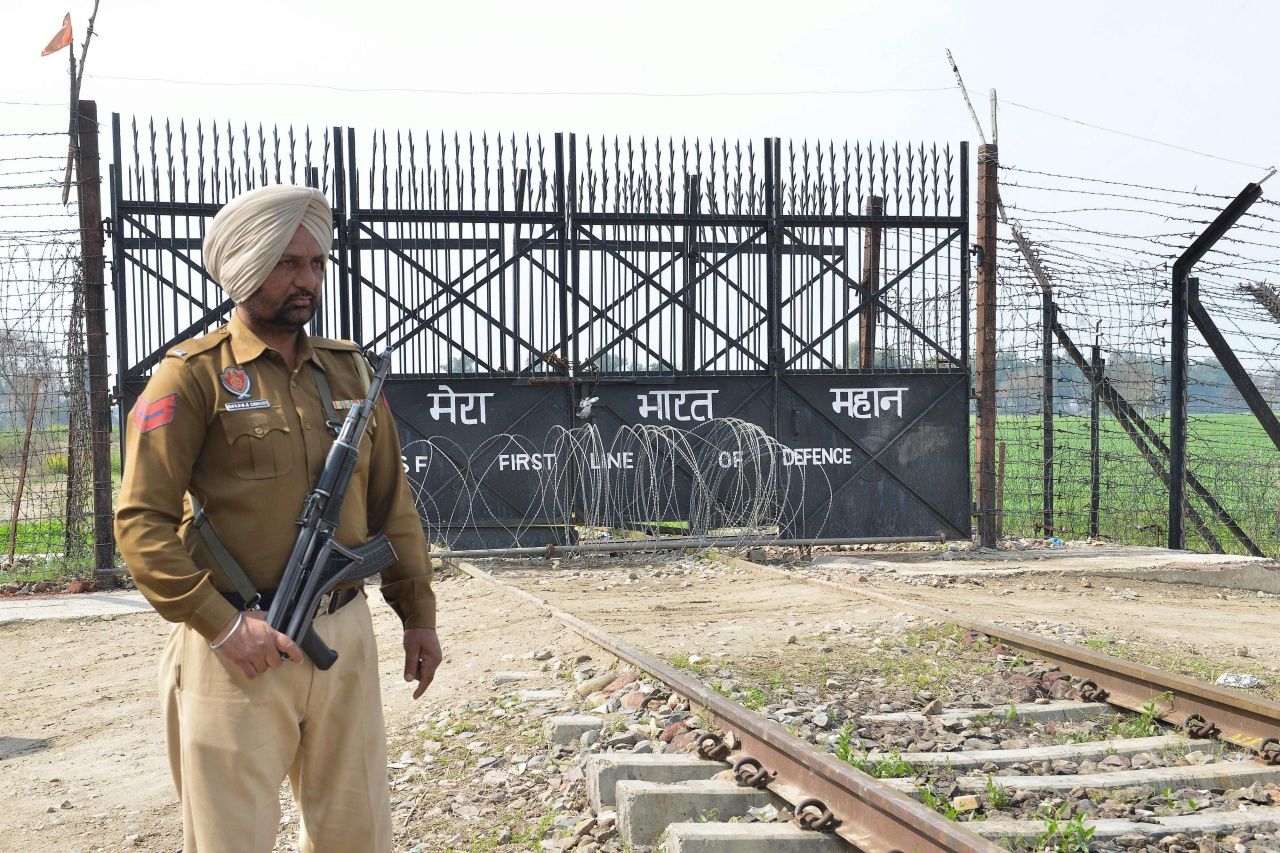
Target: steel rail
(871, 816)
(1184, 702)
(677, 543)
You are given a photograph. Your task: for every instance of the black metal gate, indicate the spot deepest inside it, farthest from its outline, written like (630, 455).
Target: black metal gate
(536, 286)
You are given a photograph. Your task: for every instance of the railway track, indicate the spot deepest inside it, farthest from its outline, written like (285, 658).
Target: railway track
(1116, 756)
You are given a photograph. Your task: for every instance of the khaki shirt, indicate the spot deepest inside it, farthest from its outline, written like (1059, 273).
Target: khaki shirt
(251, 458)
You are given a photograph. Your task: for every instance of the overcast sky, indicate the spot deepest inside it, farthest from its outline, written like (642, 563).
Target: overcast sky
(1190, 74)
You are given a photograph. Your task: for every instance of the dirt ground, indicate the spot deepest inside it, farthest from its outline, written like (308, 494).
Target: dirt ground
(81, 759)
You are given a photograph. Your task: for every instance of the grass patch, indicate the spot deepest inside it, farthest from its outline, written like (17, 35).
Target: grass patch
(1145, 724)
(1190, 664)
(701, 666)
(1063, 833)
(1135, 506)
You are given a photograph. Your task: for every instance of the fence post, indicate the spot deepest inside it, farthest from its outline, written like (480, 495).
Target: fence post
(355, 299)
(1046, 357)
(871, 239)
(1182, 267)
(988, 167)
(1095, 467)
(92, 244)
(1178, 416)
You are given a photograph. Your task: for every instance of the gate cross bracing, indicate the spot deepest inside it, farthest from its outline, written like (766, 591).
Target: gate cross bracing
(816, 290)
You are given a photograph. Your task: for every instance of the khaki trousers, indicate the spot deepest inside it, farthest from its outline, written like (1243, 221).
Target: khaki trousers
(233, 740)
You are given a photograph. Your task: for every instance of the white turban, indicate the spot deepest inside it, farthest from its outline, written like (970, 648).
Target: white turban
(247, 237)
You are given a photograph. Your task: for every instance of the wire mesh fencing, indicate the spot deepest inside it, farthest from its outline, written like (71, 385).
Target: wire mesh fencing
(1085, 355)
(46, 478)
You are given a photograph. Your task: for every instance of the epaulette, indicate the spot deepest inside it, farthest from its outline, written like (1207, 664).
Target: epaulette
(333, 343)
(204, 343)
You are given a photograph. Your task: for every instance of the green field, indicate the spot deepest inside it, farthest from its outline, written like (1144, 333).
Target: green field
(1229, 454)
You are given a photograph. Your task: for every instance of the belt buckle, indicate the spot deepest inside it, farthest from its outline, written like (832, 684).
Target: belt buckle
(322, 606)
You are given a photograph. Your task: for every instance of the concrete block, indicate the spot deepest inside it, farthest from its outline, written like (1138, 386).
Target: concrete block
(1058, 711)
(749, 838)
(569, 728)
(645, 809)
(606, 770)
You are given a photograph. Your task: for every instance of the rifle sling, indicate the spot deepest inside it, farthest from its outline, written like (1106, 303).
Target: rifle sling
(230, 569)
(332, 417)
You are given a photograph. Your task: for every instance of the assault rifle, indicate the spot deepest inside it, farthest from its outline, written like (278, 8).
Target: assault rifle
(318, 562)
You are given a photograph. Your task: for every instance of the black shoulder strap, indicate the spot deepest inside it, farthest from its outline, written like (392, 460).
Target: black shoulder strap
(332, 417)
(231, 570)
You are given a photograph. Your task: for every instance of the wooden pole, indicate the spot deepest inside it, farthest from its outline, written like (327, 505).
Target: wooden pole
(871, 239)
(985, 390)
(92, 241)
(22, 470)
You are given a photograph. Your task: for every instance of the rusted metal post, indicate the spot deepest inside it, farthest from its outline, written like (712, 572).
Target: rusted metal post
(1095, 467)
(92, 259)
(872, 236)
(1179, 305)
(985, 350)
(22, 471)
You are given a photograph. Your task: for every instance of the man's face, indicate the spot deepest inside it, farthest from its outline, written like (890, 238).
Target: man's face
(290, 296)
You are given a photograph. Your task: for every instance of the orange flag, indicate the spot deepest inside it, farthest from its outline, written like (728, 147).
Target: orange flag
(61, 40)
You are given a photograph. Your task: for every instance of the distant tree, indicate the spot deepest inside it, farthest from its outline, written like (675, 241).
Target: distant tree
(25, 360)
(463, 364)
(613, 362)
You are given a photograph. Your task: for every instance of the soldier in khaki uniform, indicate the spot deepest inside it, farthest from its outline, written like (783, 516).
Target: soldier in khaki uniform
(238, 419)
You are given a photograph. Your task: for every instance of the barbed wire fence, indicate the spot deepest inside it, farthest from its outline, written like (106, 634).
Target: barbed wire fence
(46, 474)
(1095, 462)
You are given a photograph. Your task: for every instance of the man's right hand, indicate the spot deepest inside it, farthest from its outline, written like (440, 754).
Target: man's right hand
(255, 646)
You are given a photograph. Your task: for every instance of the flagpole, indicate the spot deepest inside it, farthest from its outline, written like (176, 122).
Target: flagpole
(73, 126)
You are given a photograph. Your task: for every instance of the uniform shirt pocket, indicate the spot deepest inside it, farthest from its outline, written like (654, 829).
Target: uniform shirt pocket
(259, 440)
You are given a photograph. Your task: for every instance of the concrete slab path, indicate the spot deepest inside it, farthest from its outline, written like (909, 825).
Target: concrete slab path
(86, 605)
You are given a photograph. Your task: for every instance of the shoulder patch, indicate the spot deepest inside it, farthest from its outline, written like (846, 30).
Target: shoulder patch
(195, 346)
(153, 415)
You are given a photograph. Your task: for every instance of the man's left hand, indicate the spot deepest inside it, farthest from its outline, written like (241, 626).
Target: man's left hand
(421, 657)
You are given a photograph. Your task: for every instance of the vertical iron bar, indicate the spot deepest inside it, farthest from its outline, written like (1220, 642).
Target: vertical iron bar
(353, 238)
(570, 276)
(772, 155)
(118, 277)
(344, 237)
(522, 180)
(563, 248)
(688, 302)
